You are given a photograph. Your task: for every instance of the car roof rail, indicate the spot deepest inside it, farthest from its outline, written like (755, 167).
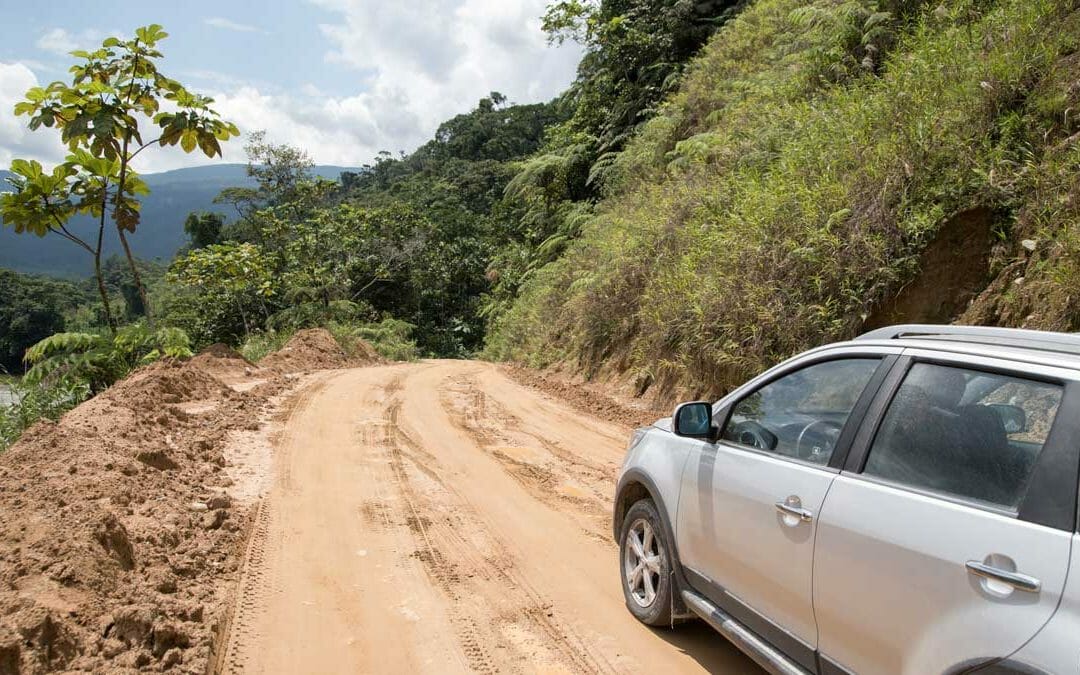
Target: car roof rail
(1064, 343)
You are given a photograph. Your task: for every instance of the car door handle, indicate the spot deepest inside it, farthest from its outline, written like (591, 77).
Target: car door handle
(1020, 581)
(805, 515)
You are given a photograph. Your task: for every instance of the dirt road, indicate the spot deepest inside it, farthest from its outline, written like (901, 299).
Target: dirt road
(437, 517)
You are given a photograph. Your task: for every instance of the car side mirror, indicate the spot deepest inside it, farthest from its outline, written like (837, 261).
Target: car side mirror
(694, 420)
(1013, 418)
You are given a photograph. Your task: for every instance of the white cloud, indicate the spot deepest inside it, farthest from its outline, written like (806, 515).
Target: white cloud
(17, 140)
(416, 64)
(228, 24)
(426, 62)
(60, 41)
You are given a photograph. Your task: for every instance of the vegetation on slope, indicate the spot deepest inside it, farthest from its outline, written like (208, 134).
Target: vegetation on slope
(785, 195)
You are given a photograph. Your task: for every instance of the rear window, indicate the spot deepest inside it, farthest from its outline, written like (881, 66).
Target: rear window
(965, 433)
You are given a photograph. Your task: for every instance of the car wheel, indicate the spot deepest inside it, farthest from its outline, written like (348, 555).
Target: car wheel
(645, 565)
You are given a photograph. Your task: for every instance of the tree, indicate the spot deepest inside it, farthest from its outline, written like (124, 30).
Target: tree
(31, 308)
(227, 276)
(204, 229)
(278, 169)
(98, 119)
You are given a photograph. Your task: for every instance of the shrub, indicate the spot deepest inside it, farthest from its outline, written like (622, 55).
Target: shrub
(391, 338)
(35, 402)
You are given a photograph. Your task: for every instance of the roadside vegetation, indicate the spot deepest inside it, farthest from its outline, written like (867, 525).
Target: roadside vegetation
(786, 193)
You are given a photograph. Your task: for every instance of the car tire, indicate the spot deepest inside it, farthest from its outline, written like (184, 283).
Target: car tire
(646, 580)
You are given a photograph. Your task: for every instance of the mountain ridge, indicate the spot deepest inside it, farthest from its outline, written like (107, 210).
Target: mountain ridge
(173, 195)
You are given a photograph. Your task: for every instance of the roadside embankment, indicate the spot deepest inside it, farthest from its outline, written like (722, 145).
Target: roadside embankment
(120, 530)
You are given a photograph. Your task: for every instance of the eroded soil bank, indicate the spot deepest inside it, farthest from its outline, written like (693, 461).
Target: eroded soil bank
(122, 526)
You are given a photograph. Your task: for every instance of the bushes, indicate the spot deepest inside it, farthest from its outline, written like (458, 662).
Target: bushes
(788, 189)
(391, 338)
(35, 402)
(258, 345)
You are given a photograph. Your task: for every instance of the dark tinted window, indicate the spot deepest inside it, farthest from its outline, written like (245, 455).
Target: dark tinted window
(965, 433)
(801, 414)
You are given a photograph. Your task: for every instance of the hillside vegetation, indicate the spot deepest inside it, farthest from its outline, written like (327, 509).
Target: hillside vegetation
(823, 168)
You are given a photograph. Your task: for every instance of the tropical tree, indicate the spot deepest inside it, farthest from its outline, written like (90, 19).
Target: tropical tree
(226, 277)
(204, 229)
(98, 118)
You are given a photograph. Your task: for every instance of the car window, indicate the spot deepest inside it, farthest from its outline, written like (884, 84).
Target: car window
(965, 433)
(801, 414)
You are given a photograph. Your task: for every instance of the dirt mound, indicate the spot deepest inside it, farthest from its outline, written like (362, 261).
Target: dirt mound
(225, 363)
(594, 400)
(363, 354)
(167, 381)
(118, 540)
(310, 349)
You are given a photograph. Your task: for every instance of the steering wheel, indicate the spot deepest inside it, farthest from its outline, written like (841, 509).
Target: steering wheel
(752, 434)
(809, 452)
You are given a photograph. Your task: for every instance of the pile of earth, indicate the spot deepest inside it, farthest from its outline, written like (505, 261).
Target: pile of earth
(119, 542)
(316, 349)
(226, 364)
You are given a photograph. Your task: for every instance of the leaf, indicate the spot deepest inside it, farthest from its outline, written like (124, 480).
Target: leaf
(188, 140)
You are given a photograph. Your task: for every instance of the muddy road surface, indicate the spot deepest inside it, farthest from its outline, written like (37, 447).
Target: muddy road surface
(437, 517)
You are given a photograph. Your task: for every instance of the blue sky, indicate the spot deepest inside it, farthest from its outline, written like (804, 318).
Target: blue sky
(341, 78)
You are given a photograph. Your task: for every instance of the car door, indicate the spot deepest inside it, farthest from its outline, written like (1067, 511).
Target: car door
(746, 513)
(945, 541)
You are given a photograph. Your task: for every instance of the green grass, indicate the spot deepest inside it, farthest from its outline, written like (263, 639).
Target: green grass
(391, 338)
(36, 403)
(258, 345)
(785, 191)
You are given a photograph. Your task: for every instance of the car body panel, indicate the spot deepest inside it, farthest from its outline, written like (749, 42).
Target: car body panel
(730, 532)
(659, 457)
(1056, 648)
(891, 591)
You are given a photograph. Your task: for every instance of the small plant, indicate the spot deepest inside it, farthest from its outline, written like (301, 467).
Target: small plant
(71, 359)
(258, 345)
(391, 338)
(31, 403)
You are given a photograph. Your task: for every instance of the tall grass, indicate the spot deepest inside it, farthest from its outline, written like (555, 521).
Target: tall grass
(786, 191)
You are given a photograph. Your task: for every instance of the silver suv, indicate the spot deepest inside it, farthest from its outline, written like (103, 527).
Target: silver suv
(902, 503)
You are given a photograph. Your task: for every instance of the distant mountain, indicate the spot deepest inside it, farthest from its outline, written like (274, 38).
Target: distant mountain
(173, 195)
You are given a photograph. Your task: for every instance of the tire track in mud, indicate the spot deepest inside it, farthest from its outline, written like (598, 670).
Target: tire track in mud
(452, 551)
(400, 537)
(550, 472)
(257, 577)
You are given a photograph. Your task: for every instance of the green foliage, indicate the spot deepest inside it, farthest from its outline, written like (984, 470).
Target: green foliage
(789, 187)
(391, 338)
(36, 402)
(203, 229)
(222, 291)
(98, 117)
(31, 308)
(258, 344)
(70, 359)
(635, 53)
